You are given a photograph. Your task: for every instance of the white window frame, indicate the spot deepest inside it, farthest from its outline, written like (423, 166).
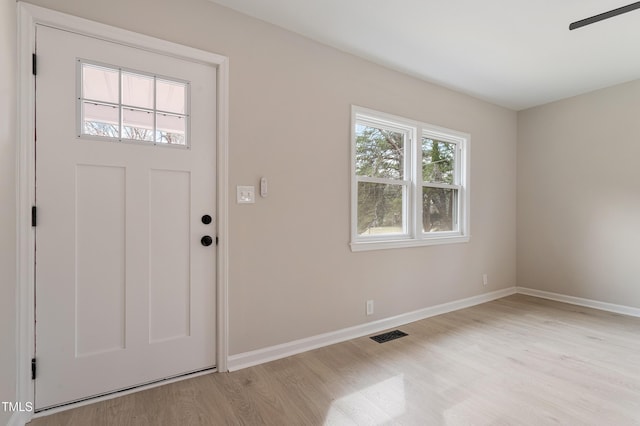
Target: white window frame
(80, 98)
(413, 235)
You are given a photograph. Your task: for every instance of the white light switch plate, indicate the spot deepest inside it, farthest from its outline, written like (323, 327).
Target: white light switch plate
(246, 194)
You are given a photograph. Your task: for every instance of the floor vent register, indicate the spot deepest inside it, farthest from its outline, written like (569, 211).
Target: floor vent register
(392, 335)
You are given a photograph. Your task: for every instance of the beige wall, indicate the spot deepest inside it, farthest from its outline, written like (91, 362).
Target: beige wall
(292, 274)
(579, 196)
(7, 205)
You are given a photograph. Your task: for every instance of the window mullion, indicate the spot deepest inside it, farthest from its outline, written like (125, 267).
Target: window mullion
(463, 182)
(408, 189)
(458, 169)
(120, 104)
(415, 192)
(155, 109)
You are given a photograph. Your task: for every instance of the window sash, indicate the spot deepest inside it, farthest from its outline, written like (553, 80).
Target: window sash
(455, 231)
(408, 206)
(391, 127)
(406, 210)
(441, 137)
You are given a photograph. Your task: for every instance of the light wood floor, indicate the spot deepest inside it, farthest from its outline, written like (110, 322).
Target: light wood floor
(515, 361)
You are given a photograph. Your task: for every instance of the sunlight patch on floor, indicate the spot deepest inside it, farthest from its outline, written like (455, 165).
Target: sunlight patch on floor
(374, 405)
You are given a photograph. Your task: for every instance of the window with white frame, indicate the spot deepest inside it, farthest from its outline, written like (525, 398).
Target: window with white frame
(126, 105)
(409, 182)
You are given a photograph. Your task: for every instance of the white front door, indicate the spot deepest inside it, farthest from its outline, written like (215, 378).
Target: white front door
(125, 173)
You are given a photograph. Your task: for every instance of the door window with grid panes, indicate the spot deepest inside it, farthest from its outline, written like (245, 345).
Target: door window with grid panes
(126, 105)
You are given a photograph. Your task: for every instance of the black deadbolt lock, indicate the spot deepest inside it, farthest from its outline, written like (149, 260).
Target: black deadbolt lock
(206, 240)
(206, 219)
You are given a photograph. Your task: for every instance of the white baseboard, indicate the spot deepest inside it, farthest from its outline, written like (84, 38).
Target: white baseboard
(272, 353)
(589, 303)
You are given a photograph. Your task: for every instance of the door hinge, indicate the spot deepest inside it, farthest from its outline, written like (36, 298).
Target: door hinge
(34, 216)
(34, 64)
(216, 240)
(33, 368)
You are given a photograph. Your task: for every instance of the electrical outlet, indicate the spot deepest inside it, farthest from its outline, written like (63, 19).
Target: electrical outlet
(369, 307)
(485, 279)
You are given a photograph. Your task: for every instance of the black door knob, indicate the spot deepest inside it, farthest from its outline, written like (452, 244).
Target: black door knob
(206, 240)
(206, 219)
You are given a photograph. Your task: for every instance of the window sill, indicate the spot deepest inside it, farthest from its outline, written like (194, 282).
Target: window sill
(394, 244)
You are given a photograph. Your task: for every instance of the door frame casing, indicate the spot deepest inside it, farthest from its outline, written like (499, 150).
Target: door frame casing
(29, 16)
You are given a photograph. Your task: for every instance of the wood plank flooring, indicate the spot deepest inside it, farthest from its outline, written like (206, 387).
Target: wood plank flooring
(514, 361)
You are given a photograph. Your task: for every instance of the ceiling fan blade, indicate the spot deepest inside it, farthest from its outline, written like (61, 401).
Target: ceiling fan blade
(605, 15)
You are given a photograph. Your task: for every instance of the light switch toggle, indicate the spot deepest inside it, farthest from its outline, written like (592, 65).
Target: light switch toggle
(246, 194)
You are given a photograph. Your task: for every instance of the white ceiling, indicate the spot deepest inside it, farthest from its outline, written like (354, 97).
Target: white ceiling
(514, 53)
